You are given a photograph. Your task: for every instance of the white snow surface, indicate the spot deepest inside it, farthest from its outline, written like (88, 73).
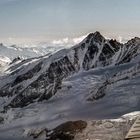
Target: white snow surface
(70, 103)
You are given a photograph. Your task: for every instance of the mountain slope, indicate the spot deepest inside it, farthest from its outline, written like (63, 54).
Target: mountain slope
(39, 79)
(95, 79)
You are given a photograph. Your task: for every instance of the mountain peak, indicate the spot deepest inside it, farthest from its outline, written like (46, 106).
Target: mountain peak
(135, 40)
(97, 37)
(97, 33)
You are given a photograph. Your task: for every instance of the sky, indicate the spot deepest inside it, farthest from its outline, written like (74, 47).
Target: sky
(62, 20)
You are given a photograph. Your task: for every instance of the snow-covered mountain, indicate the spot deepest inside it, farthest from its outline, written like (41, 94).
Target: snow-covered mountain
(27, 51)
(95, 79)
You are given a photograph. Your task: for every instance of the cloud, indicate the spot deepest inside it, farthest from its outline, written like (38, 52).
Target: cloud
(68, 41)
(120, 39)
(123, 39)
(60, 41)
(79, 39)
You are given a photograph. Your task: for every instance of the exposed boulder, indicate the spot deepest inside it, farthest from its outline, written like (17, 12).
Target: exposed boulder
(1, 119)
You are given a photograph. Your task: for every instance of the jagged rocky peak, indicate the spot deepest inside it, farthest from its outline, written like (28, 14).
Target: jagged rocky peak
(16, 59)
(133, 41)
(114, 42)
(96, 37)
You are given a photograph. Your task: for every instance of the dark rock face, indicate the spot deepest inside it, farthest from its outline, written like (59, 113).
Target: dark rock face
(99, 93)
(82, 130)
(41, 80)
(89, 56)
(133, 47)
(47, 83)
(15, 60)
(1, 119)
(98, 38)
(67, 131)
(27, 75)
(108, 51)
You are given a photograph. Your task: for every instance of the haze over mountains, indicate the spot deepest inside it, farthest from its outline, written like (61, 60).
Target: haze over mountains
(96, 79)
(14, 51)
(27, 50)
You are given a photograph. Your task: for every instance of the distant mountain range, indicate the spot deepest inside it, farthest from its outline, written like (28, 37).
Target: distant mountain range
(13, 51)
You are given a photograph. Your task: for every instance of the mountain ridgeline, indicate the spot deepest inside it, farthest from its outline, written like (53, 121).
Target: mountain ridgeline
(39, 79)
